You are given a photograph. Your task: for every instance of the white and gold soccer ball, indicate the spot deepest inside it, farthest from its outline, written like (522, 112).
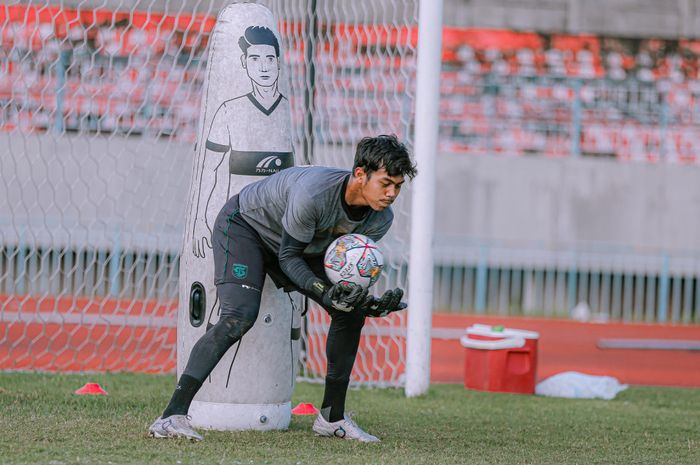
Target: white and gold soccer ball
(353, 258)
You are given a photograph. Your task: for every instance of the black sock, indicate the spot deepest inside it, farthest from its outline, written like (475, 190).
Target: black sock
(179, 404)
(333, 406)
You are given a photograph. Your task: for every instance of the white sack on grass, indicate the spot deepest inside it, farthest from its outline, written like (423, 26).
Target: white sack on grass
(574, 385)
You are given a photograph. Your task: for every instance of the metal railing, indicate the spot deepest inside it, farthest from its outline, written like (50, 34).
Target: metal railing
(56, 272)
(602, 283)
(482, 279)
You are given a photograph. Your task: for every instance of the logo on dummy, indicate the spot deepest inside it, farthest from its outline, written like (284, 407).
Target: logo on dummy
(240, 271)
(259, 163)
(268, 165)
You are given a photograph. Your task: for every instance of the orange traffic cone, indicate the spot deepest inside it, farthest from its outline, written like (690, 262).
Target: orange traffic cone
(93, 389)
(305, 409)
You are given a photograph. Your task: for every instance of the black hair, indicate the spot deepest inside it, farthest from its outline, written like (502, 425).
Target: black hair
(258, 35)
(385, 151)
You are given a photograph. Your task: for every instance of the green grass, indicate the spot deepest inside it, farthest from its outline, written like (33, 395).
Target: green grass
(42, 422)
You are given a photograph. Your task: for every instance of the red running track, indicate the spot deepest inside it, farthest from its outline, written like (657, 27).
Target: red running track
(69, 334)
(61, 341)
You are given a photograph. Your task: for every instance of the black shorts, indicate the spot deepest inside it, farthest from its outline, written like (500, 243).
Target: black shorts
(241, 257)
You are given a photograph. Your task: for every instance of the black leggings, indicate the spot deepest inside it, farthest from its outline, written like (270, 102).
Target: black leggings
(241, 262)
(239, 310)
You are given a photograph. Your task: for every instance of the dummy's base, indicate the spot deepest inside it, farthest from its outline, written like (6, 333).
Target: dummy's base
(238, 417)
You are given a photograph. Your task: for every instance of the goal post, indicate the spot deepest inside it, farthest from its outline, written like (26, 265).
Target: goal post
(423, 208)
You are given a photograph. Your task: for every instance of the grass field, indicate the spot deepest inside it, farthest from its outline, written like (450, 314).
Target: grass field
(43, 422)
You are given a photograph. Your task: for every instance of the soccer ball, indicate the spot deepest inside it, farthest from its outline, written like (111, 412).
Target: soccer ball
(353, 258)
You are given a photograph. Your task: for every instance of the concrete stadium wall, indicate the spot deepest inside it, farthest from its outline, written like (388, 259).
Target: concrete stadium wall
(91, 191)
(84, 191)
(624, 18)
(568, 204)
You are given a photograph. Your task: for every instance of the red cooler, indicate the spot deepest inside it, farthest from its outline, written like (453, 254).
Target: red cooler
(500, 359)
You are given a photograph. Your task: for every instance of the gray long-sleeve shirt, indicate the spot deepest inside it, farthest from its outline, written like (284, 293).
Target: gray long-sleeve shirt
(307, 202)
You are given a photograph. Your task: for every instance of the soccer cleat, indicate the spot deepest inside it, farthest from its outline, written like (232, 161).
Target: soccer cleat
(175, 426)
(343, 429)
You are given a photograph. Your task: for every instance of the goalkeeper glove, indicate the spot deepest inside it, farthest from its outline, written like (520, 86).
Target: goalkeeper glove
(389, 302)
(342, 296)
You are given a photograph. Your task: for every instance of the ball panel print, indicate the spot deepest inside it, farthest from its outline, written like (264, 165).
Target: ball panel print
(354, 258)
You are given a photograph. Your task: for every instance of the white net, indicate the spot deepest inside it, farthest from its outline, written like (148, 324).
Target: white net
(98, 115)
(358, 83)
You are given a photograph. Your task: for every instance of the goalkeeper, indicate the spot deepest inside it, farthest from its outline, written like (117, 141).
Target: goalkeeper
(281, 226)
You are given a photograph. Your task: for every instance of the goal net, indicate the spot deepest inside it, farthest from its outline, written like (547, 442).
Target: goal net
(99, 104)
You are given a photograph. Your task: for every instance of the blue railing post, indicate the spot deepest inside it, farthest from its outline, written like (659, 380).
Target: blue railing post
(21, 265)
(571, 290)
(481, 280)
(663, 290)
(114, 262)
(32, 270)
(68, 273)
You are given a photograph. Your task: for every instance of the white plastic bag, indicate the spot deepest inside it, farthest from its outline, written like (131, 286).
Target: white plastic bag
(574, 385)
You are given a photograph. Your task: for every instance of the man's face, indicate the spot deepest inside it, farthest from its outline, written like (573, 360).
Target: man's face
(262, 64)
(379, 190)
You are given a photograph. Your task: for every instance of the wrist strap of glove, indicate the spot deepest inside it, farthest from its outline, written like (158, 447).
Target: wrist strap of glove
(316, 287)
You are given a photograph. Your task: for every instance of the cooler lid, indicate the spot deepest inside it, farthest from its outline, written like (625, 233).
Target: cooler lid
(498, 331)
(499, 344)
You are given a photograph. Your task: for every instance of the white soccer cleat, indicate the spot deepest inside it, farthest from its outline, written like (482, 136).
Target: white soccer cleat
(343, 429)
(175, 426)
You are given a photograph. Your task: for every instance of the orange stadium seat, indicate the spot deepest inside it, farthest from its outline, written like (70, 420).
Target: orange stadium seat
(503, 91)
